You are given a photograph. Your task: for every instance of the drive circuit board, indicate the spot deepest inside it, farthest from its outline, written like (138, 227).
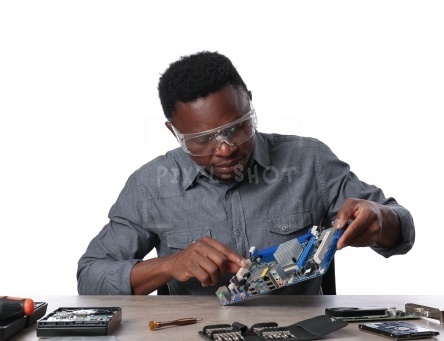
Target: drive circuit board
(305, 257)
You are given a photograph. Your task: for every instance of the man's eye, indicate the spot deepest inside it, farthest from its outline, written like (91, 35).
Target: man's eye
(205, 139)
(229, 131)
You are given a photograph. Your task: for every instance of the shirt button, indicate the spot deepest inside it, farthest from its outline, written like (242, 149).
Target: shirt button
(284, 227)
(237, 234)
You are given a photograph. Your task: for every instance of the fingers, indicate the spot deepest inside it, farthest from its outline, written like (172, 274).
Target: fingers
(361, 232)
(364, 230)
(226, 251)
(205, 271)
(345, 213)
(206, 260)
(219, 259)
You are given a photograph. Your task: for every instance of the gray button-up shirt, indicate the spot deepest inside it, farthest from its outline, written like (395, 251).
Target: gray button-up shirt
(291, 184)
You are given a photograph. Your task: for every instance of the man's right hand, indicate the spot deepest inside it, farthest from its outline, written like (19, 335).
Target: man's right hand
(206, 260)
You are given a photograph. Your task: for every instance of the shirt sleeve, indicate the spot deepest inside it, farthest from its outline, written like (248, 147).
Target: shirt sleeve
(339, 183)
(105, 267)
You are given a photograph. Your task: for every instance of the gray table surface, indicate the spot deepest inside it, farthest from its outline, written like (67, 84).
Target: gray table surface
(137, 311)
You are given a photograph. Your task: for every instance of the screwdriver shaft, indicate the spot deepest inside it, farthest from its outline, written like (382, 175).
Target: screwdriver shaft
(180, 322)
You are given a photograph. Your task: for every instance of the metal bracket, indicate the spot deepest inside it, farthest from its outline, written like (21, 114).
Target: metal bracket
(424, 311)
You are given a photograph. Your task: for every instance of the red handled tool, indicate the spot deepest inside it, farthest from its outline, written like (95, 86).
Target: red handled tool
(12, 307)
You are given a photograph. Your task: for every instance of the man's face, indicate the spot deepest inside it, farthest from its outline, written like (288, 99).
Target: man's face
(215, 110)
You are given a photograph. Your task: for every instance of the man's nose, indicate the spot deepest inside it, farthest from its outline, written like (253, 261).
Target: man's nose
(222, 138)
(225, 147)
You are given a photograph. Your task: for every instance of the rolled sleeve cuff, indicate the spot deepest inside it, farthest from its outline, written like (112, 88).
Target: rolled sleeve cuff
(118, 281)
(115, 278)
(407, 231)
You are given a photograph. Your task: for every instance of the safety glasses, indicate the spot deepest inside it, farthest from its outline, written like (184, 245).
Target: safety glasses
(208, 142)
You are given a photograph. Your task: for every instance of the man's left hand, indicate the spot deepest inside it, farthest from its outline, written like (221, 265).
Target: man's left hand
(371, 223)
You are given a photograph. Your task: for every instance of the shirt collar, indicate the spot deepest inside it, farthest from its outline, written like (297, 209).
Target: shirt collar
(190, 169)
(260, 155)
(260, 151)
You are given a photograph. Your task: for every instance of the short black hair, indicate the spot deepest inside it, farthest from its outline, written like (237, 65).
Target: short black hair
(195, 76)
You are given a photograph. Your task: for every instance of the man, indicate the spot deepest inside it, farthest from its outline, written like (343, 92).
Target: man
(228, 187)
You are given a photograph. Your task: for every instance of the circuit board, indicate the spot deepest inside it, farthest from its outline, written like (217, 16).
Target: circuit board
(305, 257)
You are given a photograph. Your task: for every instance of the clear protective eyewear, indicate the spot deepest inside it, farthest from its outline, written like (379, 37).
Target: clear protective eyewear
(209, 141)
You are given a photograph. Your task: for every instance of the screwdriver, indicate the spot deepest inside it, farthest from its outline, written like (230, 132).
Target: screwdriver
(12, 307)
(181, 322)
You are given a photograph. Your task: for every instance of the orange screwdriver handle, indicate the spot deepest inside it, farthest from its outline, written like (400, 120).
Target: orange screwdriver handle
(12, 307)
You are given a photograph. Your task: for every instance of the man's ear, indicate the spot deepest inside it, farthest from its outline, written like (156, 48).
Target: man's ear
(250, 94)
(168, 125)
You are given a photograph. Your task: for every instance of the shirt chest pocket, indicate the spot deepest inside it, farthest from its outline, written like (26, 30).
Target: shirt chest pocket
(285, 223)
(181, 239)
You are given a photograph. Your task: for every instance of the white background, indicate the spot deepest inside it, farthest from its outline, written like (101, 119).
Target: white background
(80, 112)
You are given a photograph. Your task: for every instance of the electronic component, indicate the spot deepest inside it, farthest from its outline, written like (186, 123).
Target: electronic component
(362, 314)
(351, 312)
(425, 311)
(398, 330)
(294, 261)
(372, 313)
(80, 322)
